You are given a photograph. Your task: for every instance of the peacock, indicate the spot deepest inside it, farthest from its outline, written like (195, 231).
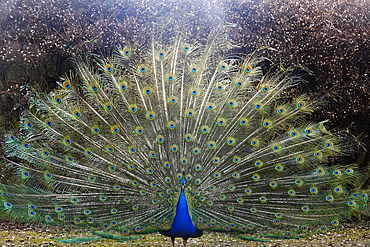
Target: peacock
(178, 136)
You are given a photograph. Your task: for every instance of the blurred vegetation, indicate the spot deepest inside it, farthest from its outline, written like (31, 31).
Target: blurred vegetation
(327, 39)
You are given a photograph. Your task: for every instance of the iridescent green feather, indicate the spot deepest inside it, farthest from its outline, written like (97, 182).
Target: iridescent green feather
(108, 148)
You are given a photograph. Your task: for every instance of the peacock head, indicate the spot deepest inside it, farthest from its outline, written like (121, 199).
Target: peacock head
(182, 181)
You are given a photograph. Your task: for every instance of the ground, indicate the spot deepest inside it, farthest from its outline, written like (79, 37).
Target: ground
(15, 234)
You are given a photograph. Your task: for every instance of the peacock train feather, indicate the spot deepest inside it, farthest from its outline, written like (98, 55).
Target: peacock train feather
(178, 137)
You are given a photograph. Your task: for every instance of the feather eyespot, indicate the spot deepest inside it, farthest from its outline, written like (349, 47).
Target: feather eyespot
(211, 144)
(67, 141)
(230, 141)
(281, 111)
(221, 122)
(258, 106)
(31, 213)
(108, 68)
(174, 148)
(109, 149)
(301, 104)
(330, 198)
(231, 103)
(194, 92)
(273, 184)
(205, 129)
(123, 86)
(243, 122)
(279, 168)
(223, 66)
(94, 87)
(256, 177)
(189, 113)
(255, 142)
(126, 51)
(247, 69)
(198, 167)
(305, 208)
(45, 153)
(143, 69)
(139, 130)
(171, 125)
(188, 137)
(167, 165)
(216, 160)
(161, 53)
(291, 192)
(150, 115)
(194, 69)
(48, 175)
(266, 124)
(196, 151)
(266, 88)
(186, 47)
(69, 159)
(25, 145)
(210, 106)
(11, 137)
(108, 106)
(328, 144)
(148, 91)
(95, 130)
(294, 133)
(48, 218)
(304, 228)
(239, 83)
(67, 85)
(160, 139)
(258, 163)
(173, 100)
(184, 161)
(236, 159)
(57, 100)
(320, 171)
(133, 108)
(309, 131)
(276, 147)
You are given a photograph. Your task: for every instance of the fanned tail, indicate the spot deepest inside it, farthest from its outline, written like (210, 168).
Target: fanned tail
(109, 148)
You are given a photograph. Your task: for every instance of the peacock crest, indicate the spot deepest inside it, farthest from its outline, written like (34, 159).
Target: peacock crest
(178, 131)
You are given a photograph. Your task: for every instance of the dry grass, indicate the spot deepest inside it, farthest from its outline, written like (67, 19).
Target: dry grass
(13, 234)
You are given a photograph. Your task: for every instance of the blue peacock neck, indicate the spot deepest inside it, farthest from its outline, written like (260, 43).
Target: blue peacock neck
(182, 225)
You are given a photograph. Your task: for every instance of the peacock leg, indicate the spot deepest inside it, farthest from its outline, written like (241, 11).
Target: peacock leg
(184, 241)
(173, 242)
